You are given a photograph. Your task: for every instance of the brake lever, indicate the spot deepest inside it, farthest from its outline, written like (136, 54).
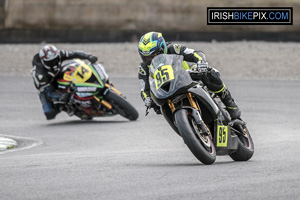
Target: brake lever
(147, 110)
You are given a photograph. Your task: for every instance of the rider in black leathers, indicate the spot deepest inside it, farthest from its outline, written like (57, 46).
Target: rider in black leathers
(46, 67)
(152, 44)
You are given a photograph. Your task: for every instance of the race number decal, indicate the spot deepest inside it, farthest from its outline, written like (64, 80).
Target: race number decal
(222, 136)
(163, 75)
(81, 74)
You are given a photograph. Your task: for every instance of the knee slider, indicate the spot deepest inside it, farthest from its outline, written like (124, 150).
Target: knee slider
(51, 114)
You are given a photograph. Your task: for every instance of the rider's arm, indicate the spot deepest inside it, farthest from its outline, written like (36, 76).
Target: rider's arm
(144, 81)
(42, 83)
(66, 55)
(43, 80)
(189, 55)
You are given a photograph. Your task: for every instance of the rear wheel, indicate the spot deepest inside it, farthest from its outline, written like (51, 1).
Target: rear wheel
(200, 144)
(245, 148)
(122, 106)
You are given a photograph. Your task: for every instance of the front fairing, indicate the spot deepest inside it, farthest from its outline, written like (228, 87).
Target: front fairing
(87, 79)
(167, 75)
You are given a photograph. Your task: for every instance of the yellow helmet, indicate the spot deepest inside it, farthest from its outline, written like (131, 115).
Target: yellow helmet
(150, 45)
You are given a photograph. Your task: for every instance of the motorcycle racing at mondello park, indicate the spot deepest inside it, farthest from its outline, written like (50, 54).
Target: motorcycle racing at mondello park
(108, 142)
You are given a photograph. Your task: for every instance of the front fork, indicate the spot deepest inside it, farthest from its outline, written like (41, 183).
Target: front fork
(195, 112)
(104, 102)
(191, 100)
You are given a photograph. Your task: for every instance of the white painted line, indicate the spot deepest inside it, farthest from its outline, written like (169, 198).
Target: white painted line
(35, 143)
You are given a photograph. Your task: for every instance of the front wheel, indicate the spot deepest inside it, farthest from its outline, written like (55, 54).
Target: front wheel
(122, 106)
(199, 144)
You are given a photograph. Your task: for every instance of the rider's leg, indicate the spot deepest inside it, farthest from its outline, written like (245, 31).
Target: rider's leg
(50, 110)
(213, 82)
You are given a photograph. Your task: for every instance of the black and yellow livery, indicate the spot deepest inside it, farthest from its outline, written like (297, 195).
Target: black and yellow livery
(196, 114)
(152, 44)
(189, 55)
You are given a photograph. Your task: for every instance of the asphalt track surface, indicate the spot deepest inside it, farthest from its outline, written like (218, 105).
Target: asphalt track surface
(112, 158)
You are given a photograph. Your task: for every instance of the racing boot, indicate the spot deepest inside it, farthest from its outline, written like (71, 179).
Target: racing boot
(231, 106)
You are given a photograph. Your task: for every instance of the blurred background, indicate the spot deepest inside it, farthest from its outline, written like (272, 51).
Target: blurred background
(126, 20)
(110, 29)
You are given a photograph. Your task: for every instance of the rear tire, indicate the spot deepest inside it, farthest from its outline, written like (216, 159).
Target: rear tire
(123, 107)
(245, 148)
(201, 146)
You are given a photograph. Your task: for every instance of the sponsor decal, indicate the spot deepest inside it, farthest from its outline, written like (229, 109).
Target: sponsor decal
(177, 48)
(142, 71)
(86, 89)
(146, 53)
(62, 86)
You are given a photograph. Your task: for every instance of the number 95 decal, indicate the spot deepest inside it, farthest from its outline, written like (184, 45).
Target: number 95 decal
(222, 136)
(163, 75)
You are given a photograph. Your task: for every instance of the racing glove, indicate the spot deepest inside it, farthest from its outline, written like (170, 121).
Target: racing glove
(202, 66)
(148, 102)
(92, 58)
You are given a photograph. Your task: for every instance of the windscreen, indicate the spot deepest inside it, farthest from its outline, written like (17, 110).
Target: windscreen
(167, 75)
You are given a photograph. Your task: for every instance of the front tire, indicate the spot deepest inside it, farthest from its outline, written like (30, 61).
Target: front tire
(123, 107)
(201, 146)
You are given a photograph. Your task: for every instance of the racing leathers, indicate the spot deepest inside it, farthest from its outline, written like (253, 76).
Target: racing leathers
(211, 78)
(45, 81)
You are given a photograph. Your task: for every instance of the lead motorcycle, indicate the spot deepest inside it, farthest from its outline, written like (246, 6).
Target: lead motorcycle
(92, 95)
(196, 114)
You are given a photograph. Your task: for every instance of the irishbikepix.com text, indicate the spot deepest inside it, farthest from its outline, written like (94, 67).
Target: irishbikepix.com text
(249, 16)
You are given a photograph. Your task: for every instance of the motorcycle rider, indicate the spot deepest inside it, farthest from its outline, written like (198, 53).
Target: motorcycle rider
(153, 43)
(46, 67)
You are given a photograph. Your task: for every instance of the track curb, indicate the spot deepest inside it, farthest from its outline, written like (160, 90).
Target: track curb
(7, 143)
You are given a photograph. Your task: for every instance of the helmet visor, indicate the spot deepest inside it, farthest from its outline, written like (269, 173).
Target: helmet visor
(52, 63)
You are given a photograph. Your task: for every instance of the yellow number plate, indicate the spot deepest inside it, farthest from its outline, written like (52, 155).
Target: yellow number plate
(81, 74)
(163, 75)
(222, 136)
